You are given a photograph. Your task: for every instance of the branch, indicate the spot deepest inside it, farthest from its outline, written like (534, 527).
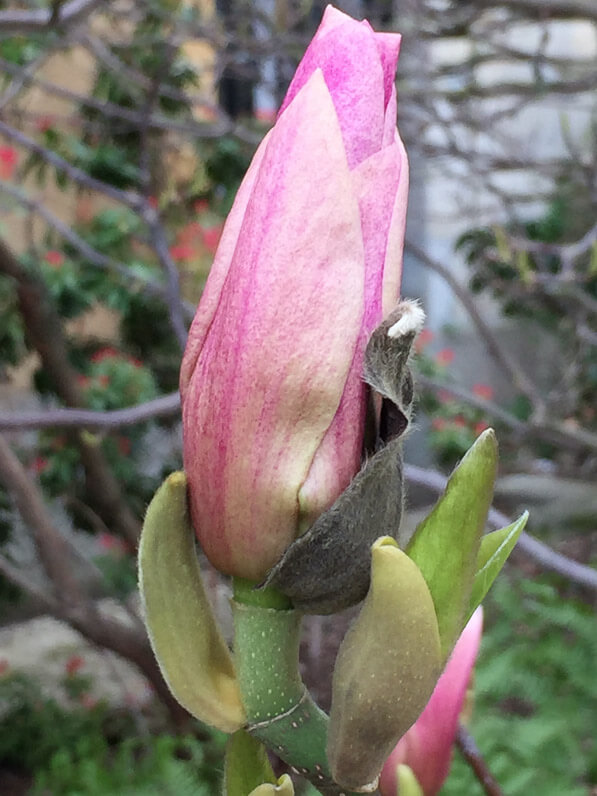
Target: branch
(22, 580)
(470, 751)
(173, 297)
(501, 356)
(129, 198)
(93, 257)
(44, 331)
(547, 9)
(54, 551)
(540, 552)
(112, 110)
(472, 400)
(33, 21)
(549, 430)
(70, 603)
(164, 406)
(567, 252)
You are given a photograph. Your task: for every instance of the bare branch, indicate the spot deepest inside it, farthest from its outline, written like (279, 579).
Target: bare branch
(129, 198)
(70, 603)
(501, 356)
(44, 18)
(548, 429)
(44, 331)
(538, 551)
(54, 551)
(546, 9)
(470, 751)
(490, 407)
(22, 580)
(173, 297)
(165, 406)
(111, 110)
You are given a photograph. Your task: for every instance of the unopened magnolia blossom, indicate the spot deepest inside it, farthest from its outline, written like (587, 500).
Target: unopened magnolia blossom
(308, 264)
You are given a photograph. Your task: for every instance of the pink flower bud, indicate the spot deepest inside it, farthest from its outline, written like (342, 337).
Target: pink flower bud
(308, 264)
(427, 746)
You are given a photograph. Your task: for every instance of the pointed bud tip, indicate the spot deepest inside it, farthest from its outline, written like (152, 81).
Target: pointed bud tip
(410, 322)
(487, 437)
(284, 787)
(177, 480)
(384, 541)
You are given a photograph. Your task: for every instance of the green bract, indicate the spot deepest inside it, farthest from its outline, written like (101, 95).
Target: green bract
(446, 544)
(185, 637)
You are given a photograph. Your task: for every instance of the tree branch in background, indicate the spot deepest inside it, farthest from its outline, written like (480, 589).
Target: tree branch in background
(44, 331)
(164, 406)
(502, 357)
(538, 551)
(128, 198)
(19, 22)
(68, 602)
(470, 751)
(550, 431)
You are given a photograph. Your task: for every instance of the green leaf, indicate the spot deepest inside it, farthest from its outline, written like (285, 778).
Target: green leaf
(495, 549)
(446, 544)
(192, 654)
(247, 765)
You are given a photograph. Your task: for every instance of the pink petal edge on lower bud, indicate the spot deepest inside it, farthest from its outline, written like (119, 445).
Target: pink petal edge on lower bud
(427, 746)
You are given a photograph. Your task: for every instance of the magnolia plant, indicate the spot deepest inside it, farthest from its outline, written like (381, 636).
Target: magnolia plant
(296, 390)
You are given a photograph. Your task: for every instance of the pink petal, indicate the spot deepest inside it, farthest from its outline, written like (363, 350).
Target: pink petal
(378, 176)
(349, 57)
(270, 375)
(392, 271)
(388, 45)
(219, 270)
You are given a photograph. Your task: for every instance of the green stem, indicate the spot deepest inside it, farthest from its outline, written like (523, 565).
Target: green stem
(280, 710)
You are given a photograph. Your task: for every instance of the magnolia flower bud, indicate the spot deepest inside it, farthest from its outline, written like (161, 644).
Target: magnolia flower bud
(308, 264)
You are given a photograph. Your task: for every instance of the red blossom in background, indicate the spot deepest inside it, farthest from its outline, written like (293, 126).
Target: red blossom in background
(483, 391)
(73, 665)
(44, 123)
(87, 701)
(445, 357)
(54, 258)
(424, 338)
(181, 252)
(201, 206)
(104, 353)
(111, 543)
(444, 396)
(266, 115)
(39, 464)
(211, 238)
(8, 161)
